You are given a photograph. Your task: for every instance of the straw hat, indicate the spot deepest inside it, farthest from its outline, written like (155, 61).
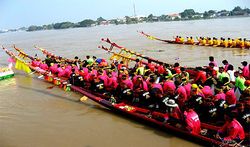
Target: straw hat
(171, 103)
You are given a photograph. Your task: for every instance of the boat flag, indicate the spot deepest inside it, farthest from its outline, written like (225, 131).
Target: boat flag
(20, 65)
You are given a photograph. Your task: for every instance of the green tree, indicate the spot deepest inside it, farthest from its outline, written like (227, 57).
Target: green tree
(34, 28)
(86, 23)
(150, 18)
(188, 13)
(99, 20)
(163, 18)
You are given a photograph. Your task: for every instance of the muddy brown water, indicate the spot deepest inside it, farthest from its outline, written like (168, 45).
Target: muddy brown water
(33, 116)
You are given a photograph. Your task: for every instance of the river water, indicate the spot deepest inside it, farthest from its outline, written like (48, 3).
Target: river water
(33, 116)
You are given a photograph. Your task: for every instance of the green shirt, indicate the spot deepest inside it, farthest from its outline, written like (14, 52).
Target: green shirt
(90, 61)
(240, 83)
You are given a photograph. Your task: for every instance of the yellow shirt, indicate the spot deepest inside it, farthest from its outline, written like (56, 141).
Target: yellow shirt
(218, 42)
(210, 42)
(234, 43)
(204, 41)
(188, 40)
(192, 41)
(225, 43)
(214, 42)
(247, 44)
(181, 40)
(237, 42)
(242, 44)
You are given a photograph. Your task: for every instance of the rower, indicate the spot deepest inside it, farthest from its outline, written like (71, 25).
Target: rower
(240, 81)
(140, 87)
(242, 43)
(151, 65)
(237, 42)
(177, 39)
(210, 42)
(174, 114)
(192, 40)
(204, 41)
(247, 43)
(232, 131)
(181, 39)
(188, 40)
(90, 60)
(243, 116)
(225, 43)
(169, 87)
(192, 121)
(230, 42)
(245, 69)
(226, 64)
(181, 94)
(214, 41)
(230, 96)
(234, 43)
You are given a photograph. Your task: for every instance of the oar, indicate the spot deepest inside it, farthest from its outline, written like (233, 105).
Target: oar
(51, 87)
(83, 99)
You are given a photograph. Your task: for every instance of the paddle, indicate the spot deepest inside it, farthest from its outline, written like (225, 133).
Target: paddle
(83, 99)
(50, 87)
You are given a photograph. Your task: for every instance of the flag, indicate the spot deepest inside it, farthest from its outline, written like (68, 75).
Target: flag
(20, 65)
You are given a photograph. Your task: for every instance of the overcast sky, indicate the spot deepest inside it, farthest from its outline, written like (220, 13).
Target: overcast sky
(18, 13)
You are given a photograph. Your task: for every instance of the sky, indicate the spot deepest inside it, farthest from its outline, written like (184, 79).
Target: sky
(23, 13)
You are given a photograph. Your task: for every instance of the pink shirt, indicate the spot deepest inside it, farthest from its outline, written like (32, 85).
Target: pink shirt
(193, 122)
(158, 86)
(182, 96)
(160, 69)
(35, 63)
(220, 96)
(53, 68)
(44, 66)
(188, 89)
(61, 72)
(104, 78)
(245, 71)
(233, 130)
(112, 82)
(206, 90)
(128, 83)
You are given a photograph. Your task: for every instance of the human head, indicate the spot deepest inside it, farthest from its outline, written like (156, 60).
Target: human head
(225, 62)
(176, 64)
(244, 63)
(230, 67)
(211, 58)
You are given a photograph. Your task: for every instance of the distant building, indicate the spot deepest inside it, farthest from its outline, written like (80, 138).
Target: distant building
(174, 16)
(198, 15)
(223, 13)
(105, 22)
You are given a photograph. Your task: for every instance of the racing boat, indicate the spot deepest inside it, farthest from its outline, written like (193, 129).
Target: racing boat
(141, 114)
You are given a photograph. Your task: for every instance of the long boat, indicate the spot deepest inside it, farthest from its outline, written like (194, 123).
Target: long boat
(113, 44)
(174, 42)
(46, 52)
(140, 114)
(190, 70)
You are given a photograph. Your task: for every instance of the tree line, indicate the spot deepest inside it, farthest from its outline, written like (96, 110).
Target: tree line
(188, 14)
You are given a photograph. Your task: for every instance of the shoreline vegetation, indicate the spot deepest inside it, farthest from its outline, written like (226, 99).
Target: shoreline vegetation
(188, 14)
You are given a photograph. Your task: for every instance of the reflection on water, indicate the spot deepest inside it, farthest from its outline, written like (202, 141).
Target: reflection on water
(32, 115)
